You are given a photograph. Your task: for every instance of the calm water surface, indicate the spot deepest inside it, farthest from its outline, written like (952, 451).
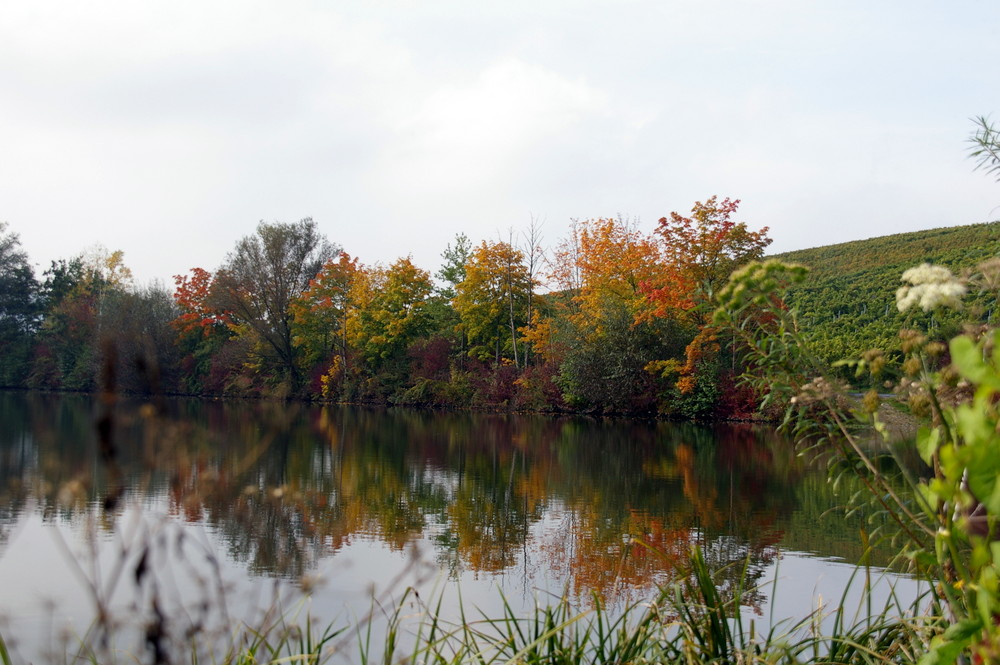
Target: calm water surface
(231, 505)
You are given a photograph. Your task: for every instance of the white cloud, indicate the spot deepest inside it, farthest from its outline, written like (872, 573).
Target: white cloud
(478, 135)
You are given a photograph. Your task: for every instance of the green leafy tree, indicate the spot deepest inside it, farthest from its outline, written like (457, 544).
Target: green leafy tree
(63, 342)
(60, 280)
(77, 328)
(492, 301)
(445, 323)
(19, 308)
(391, 312)
(452, 271)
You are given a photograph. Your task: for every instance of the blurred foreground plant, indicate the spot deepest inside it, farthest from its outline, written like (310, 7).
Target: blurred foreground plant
(948, 517)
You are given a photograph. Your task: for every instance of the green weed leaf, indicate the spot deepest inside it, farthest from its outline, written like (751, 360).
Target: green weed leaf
(928, 441)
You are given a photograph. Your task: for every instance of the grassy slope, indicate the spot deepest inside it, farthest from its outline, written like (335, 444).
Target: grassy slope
(848, 302)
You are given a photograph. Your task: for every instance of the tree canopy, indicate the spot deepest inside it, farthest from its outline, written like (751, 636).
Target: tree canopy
(263, 274)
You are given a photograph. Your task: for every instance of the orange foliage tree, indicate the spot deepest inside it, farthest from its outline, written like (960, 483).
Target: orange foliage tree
(199, 315)
(202, 326)
(599, 334)
(601, 267)
(699, 253)
(606, 261)
(319, 314)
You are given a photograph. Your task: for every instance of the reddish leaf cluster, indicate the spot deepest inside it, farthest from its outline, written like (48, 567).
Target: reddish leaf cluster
(193, 296)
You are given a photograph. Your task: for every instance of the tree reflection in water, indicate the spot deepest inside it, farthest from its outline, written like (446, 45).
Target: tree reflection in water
(609, 509)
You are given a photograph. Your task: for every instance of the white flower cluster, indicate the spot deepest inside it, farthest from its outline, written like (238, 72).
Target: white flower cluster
(930, 287)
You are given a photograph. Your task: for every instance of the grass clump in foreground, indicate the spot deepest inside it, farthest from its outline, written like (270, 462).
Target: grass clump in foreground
(687, 622)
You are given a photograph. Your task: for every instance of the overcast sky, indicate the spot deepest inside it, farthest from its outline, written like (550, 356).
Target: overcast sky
(169, 129)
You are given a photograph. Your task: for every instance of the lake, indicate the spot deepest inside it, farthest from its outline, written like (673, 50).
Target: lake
(214, 510)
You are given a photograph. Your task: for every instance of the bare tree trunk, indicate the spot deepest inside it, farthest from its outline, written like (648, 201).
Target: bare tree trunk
(535, 254)
(509, 278)
(513, 326)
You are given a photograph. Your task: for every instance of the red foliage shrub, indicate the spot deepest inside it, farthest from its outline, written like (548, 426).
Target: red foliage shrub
(430, 359)
(735, 401)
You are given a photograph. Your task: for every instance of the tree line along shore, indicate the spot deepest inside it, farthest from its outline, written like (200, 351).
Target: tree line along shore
(609, 319)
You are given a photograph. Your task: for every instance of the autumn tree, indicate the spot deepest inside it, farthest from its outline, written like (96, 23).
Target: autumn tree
(534, 255)
(390, 312)
(698, 253)
(603, 344)
(202, 327)
(319, 323)
(263, 275)
(199, 314)
(602, 266)
(550, 331)
(106, 269)
(492, 301)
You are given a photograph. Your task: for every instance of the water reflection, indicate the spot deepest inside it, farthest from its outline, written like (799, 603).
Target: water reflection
(602, 507)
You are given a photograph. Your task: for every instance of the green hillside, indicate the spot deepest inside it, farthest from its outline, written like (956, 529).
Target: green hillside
(848, 302)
